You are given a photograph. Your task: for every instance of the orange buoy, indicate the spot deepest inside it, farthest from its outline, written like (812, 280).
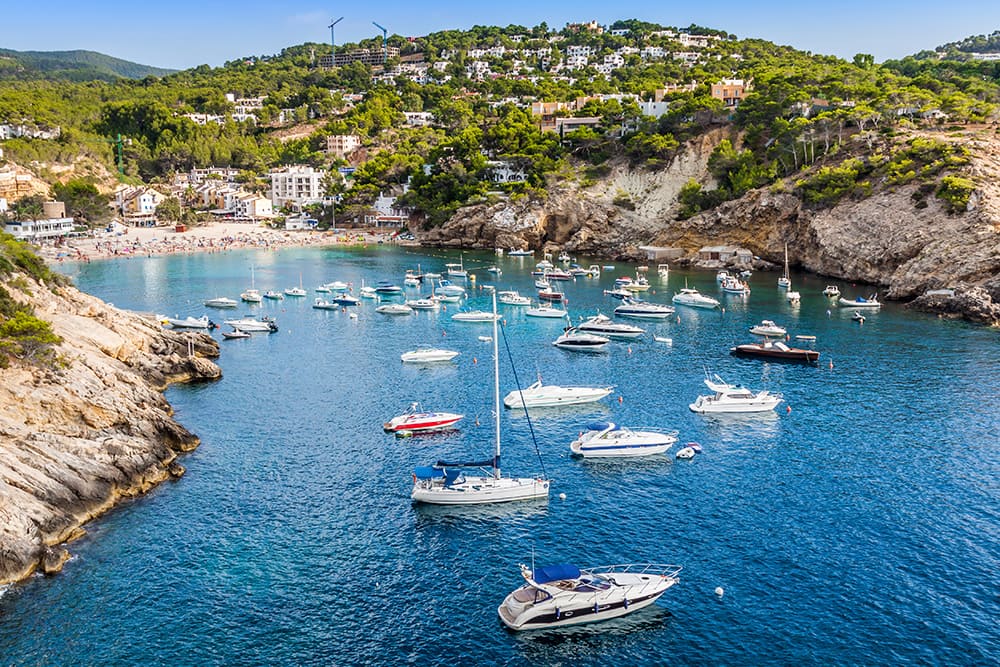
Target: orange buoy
(619, 399)
(630, 349)
(788, 409)
(831, 364)
(474, 360)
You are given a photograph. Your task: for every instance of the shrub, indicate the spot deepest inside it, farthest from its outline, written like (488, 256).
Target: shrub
(955, 192)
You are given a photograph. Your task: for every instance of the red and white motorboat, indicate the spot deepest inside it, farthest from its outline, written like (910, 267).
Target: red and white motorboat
(416, 420)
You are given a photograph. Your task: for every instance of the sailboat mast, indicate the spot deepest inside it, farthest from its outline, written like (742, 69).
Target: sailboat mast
(496, 391)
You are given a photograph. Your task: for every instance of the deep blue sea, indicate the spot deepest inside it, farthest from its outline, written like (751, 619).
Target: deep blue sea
(861, 525)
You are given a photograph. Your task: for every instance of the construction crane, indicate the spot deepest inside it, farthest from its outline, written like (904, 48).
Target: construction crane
(385, 42)
(333, 42)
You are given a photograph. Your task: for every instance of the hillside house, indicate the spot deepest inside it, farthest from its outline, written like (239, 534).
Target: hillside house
(731, 91)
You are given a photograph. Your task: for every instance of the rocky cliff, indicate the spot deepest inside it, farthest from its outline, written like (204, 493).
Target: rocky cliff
(885, 239)
(76, 438)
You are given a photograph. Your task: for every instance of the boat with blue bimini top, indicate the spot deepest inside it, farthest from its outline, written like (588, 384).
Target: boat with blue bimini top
(860, 302)
(609, 440)
(563, 594)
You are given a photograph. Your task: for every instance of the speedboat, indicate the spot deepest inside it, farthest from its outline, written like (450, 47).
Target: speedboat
(445, 288)
(563, 257)
(475, 316)
(416, 420)
(323, 289)
(558, 595)
(251, 296)
(831, 291)
(594, 270)
(639, 284)
(722, 276)
(618, 293)
(387, 287)
(274, 295)
(558, 274)
(793, 296)
(688, 451)
(543, 283)
(190, 322)
(545, 310)
(425, 354)
(249, 324)
(734, 398)
(644, 310)
(295, 291)
(394, 309)
(336, 286)
(860, 302)
(605, 326)
(609, 440)
(221, 302)
(411, 281)
(774, 350)
(323, 304)
(428, 303)
(735, 286)
(539, 395)
(495, 270)
(578, 341)
(367, 292)
(695, 299)
(235, 333)
(768, 328)
(346, 300)
(513, 298)
(551, 295)
(432, 275)
(519, 253)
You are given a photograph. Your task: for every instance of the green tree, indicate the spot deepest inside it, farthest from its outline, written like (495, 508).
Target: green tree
(83, 200)
(169, 209)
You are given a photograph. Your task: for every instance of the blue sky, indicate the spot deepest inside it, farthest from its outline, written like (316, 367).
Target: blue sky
(185, 33)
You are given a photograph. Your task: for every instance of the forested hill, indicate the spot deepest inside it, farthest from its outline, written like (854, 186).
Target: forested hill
(72, 66)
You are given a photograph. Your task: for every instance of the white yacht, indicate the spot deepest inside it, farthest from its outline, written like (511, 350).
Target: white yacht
(394, 309)
(323, 304)
(860, 302)
(545, 310)
(425, 354)
(578, 341)
(793, 296)
(734, 398)
(539, 395)
(475, 316)
(445, 288)
(274, 295)
(250, 324)
(831, 291)
(448, 484)
(644, 310)
(563, 594)
(609, 440)
(768, 328)
(295, 291)
(605, 326)
(367, 291)
(735, 286)
(695, 299)
(513, 298)
(221, 302)
(190, 322)
(424, 303)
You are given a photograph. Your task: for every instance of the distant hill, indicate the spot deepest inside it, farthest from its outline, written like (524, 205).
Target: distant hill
(965, 49)
(71, 65)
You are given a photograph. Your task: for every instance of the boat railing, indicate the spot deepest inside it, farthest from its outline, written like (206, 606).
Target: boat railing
(652, 569)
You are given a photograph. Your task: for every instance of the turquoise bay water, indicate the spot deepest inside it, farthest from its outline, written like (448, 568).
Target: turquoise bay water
(860, 527)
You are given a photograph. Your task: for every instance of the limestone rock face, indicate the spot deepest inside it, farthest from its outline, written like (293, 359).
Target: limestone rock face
(75, 439)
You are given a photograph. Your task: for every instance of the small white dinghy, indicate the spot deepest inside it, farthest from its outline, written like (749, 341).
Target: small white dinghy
(689, 450)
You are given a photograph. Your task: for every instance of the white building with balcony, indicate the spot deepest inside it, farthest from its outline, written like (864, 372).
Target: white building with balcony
(297, 185)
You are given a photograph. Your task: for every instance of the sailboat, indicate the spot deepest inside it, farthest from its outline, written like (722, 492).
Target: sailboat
(449, 484)
(252, 295)
(784, 280)
(296, 291)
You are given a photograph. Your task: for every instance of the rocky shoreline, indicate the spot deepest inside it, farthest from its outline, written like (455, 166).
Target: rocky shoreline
(80, 437)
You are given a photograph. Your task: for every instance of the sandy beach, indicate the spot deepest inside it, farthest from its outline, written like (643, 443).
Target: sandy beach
(127, 242)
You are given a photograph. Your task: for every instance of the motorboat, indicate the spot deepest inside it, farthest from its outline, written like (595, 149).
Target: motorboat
(793, 296)
(495, 270)
(295, 291)
(545, 310)
(475, 316)
(234, 334)
(860, 302)
(337, 286)
(448, 298)
(563, 257)
(768, 328)
(432, 275)
(644, 310)
(639, 284)
(831, 291)
(425, 354)
(543, 283)
(250, 324)
(663, 270)
(190, 322)
(387, 287)
(274, 295)
(735, 286)
(367, 292)
(345, 299)
(605, 326)
(513, 252)
(774, 350)
(578, 341)
(416, 420)
(323, 289)
(688, 451)
(578, 271)
(424, 303)
(445, 288)
(543, 266)
(695, 299)
(558, 274)
(785, 280)
(722, 276)
(323, 304)
(411, 281)
(394, 309)
(456, 270)
(609, 440)
(858, 317)
(623, 281)
(559, 595)
(221, 302)
(477, 482)
(594, 270)
(733, 398)
(539, 395)
(513, 298)
(551, 295)
(618, 293)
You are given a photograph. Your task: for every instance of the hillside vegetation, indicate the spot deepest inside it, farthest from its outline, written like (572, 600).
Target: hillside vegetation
(796, 122)
(72, 66)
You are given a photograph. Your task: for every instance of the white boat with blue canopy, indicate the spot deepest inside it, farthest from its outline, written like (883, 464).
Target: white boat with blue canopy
(445, 288)
(564, 594)
(860, 302)
(609, 440)
(477, 482)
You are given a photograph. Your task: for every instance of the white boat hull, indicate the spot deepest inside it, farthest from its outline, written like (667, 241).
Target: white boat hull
(480, 490)
(706, 405)
(552, 396)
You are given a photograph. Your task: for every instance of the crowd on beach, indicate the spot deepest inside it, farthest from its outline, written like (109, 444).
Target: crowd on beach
(150, 241)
